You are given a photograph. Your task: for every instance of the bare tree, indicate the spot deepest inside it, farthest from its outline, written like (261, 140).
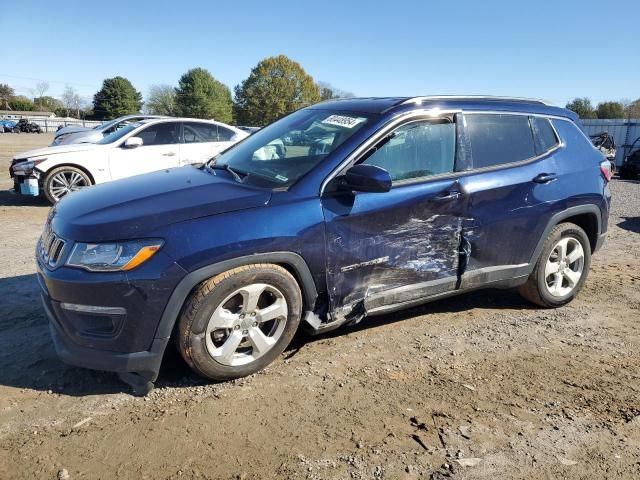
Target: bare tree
(161, 100)
(6, 94)
(71, 100)
(40, 89)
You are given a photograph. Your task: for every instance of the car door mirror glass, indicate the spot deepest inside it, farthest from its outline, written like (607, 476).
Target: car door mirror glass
(367, 178)
(133, 142)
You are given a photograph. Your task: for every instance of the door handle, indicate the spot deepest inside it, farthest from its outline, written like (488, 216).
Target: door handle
(545, 178)
(447, 196)
(170, 154)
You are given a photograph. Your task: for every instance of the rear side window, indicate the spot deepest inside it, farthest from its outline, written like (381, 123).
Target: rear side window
(224, 134)
(497, 139)
(545, 136)
(196, 132)
(160, 134)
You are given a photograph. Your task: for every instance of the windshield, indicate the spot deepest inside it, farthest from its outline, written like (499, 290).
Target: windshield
(118, 134)
(106, 125)
(279, 154)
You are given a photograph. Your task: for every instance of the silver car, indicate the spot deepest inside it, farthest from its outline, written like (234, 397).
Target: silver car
(78, 134)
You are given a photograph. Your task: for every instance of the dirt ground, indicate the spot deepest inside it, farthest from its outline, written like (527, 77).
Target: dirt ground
(479, 386)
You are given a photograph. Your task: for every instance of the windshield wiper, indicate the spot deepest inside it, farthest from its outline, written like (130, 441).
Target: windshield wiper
(236, 173)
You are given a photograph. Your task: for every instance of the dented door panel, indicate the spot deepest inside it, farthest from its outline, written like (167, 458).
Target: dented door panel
(391, 247)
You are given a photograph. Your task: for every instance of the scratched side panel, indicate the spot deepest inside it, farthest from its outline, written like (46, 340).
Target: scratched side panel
(378, 242)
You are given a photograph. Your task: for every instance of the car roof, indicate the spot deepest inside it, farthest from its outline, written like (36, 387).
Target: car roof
(183, 119)
(387, 105)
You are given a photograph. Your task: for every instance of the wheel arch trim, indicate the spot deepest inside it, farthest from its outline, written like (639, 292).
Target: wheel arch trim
(72, 165)
(192, 279)
(558, 218)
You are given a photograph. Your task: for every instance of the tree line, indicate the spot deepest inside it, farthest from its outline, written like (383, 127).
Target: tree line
(584, 109)
(275, 87)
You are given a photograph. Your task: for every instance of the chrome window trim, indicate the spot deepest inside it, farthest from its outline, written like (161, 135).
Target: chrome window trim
(435, 113)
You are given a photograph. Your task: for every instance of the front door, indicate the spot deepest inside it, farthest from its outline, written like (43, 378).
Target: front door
(160, 149)
(394, 248)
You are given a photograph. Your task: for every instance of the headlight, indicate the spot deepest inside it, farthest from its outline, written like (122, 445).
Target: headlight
(113, 257)
(27, 167)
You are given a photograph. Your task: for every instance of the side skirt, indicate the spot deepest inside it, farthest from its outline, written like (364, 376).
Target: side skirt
(504, 276)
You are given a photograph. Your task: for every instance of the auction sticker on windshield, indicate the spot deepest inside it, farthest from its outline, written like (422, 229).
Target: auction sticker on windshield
(343, 121)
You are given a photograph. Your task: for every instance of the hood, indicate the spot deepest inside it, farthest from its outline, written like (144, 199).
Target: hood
(47, 151)
(135, 207)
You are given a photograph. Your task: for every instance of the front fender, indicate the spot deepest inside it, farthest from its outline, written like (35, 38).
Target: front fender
(191, 280)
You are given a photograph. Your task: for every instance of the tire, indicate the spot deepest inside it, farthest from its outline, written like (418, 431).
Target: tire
(54, 186)
(625, 174)
(551, 289)
(217, 333)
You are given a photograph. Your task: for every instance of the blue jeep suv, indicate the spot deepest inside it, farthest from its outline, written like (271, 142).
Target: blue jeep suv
(369, 206)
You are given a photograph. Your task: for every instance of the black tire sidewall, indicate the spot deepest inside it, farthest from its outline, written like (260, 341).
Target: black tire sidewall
(564, 231)
(195, 337)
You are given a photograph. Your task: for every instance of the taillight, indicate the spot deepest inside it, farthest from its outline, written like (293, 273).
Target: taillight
(605, 168)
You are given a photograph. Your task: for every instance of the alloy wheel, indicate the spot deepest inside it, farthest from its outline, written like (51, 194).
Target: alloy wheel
(65, 182)
(246, 324)
(564, 267)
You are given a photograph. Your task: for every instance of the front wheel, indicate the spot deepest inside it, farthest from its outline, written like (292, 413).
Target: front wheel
(561, 269)
(64, 180)
(238, 322)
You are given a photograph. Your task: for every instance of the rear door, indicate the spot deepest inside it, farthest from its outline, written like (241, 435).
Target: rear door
(391, 248)
(512, 192)
(160, 149)
(202, 140)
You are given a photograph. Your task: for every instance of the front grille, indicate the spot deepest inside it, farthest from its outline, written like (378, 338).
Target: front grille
(50, 247)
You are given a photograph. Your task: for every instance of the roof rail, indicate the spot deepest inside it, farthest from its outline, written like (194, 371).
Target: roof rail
(474, 97)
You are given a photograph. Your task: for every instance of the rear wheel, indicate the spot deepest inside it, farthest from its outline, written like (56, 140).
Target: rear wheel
(561, 269)
(238, 322)
(62, 181)
(627, 174)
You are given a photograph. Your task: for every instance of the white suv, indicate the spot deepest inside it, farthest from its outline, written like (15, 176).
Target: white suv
(138, 148)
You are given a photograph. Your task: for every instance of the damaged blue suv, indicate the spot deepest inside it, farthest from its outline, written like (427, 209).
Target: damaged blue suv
(340, 211)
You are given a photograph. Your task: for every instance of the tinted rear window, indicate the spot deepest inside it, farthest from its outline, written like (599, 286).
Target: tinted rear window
(497, 139)
(545, 136)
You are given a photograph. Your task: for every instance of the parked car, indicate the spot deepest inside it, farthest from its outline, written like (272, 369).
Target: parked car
(249, 130)
(77, 134)
(136, 148)
(415, 199)
(25, 126)
(8, 126)
(605, 142)
(630, 168)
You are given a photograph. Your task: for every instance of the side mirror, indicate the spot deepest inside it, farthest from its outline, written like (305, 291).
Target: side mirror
(367, 178)
(133, 142)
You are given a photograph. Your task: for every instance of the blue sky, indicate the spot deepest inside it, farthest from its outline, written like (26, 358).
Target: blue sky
(555, 50)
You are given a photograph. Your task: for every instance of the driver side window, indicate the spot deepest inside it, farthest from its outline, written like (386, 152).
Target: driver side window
(418, 149)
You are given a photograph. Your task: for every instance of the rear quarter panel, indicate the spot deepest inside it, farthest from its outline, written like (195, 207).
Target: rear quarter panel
(578, 168)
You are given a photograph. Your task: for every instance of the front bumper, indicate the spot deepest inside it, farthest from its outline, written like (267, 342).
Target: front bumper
(120, 336)
(146, 363)
(26, 185)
